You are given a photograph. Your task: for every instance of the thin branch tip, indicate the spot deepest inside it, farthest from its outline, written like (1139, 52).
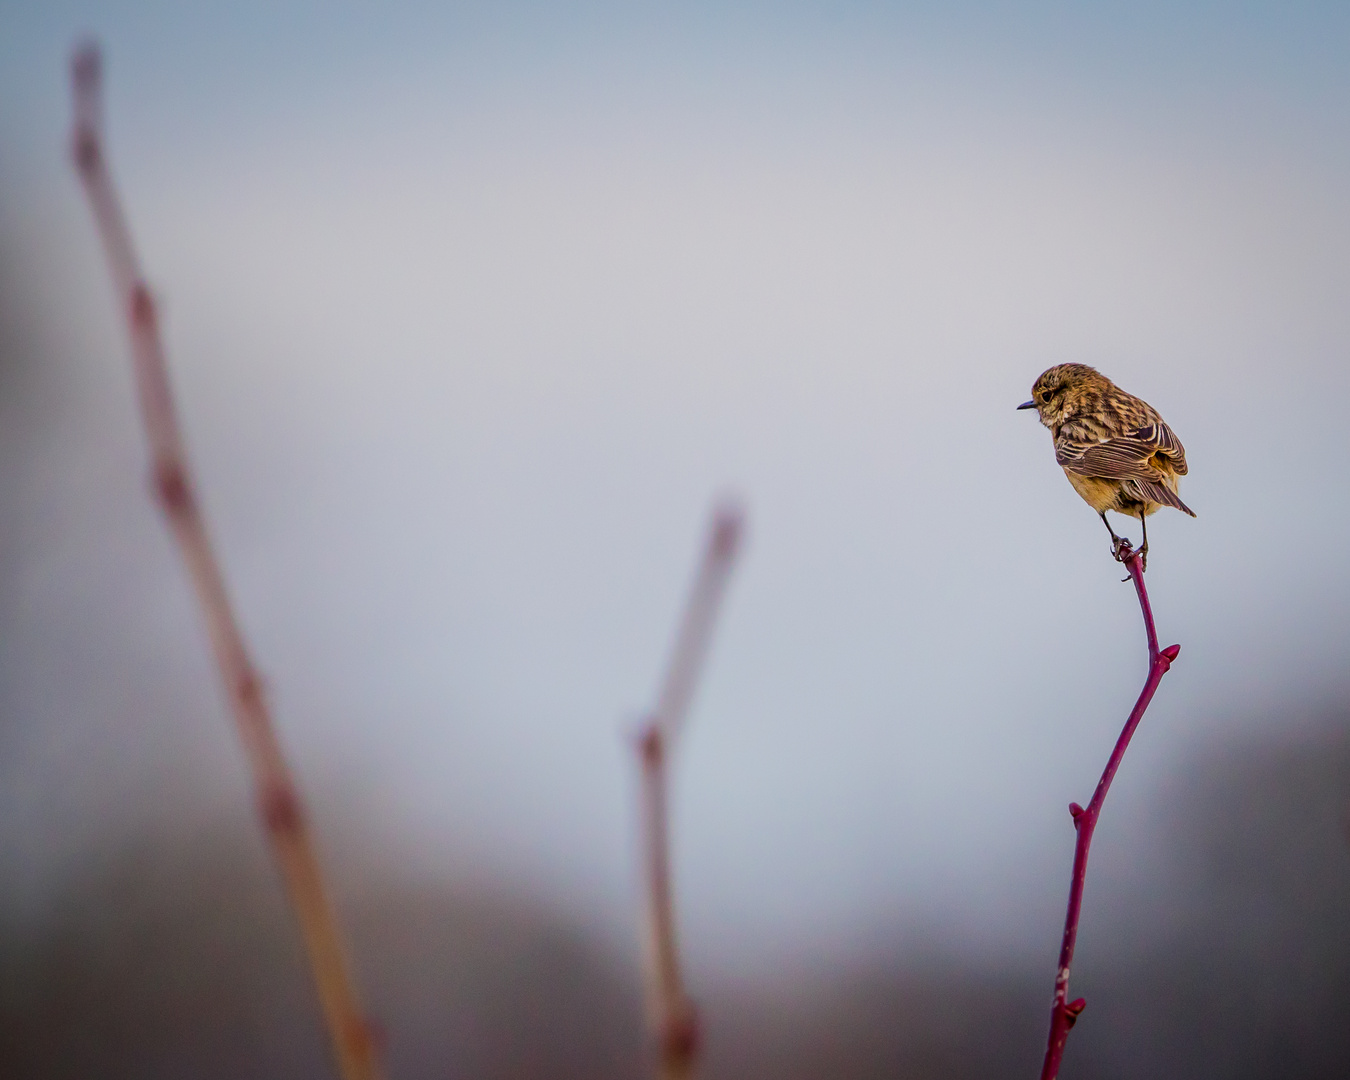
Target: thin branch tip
(277, 798)
(86, 75)
(86, 78)
(672, 1018)
(86, 63)
(728, 529)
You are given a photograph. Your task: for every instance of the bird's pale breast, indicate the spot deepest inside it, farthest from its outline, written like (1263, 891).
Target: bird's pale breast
(1097, 493)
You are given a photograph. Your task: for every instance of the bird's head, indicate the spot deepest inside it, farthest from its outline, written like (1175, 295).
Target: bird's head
(1065, 390)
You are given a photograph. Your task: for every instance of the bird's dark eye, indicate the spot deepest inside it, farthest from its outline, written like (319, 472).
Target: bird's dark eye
(1044, 395)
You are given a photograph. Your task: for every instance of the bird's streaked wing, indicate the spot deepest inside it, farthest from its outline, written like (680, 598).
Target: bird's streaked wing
(1125, 457)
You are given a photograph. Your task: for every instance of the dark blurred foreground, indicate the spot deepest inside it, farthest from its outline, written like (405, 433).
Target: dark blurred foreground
(178, 958)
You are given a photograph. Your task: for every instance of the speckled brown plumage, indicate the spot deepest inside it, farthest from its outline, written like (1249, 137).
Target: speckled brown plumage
(1114, 447)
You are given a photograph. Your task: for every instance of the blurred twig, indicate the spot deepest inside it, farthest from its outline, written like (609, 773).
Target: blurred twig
(278, 799)
(1065, 1013)
(672, 1016)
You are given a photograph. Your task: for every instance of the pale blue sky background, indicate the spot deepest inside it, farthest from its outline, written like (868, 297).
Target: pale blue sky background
(472, 312)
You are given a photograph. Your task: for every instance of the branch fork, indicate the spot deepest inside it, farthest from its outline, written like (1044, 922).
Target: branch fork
(1064, 1013)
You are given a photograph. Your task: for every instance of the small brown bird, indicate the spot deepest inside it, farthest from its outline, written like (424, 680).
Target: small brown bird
(1114, 447)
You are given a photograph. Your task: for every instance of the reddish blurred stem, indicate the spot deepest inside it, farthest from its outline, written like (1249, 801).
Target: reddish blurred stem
(1064, 1013)
(279, 802)
(671, 1015)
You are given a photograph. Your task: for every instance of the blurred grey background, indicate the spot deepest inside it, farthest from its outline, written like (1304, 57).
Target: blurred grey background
(472, 311)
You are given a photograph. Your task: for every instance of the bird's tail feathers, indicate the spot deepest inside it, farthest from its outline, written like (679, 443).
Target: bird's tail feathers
(1161, 493)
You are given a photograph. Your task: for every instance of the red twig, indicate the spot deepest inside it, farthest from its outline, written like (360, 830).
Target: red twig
(279, 802)
(1064, 1013)
(671, 1015)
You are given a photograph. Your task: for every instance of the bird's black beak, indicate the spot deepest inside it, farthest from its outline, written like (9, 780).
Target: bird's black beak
(1027, 405)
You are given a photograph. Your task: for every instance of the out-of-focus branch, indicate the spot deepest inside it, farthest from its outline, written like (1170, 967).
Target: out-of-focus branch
(1064, 1013)
(671, 1015)
(278, 799)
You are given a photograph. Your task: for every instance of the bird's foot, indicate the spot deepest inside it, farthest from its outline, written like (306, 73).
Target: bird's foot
(1122, 551)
